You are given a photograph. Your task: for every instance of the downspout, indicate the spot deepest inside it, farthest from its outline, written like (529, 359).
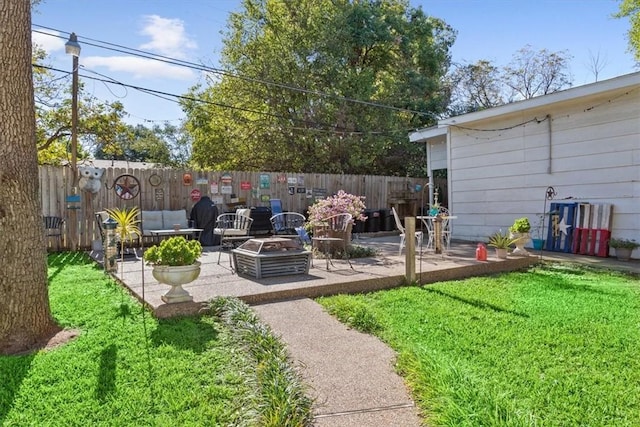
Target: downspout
(550, 144)
(449, 171)
(429, 173)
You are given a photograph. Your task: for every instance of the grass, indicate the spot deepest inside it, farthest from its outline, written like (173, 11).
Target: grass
(128, 368)
(556, 345)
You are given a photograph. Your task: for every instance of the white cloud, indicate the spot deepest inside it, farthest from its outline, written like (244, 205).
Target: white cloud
(50, 41)
(139, 67)
(168, 36)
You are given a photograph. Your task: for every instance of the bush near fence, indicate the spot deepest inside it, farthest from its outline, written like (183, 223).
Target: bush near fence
(166, 189)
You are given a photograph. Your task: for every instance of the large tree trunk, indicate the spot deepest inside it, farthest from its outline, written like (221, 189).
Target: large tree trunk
(25, 316)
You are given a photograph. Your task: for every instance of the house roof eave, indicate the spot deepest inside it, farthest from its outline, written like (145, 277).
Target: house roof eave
(616, 83)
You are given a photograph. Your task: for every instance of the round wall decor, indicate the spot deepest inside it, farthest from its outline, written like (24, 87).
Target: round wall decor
(127, 187)
(155, 180)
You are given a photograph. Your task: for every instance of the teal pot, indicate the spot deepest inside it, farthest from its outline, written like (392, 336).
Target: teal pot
(537, 243)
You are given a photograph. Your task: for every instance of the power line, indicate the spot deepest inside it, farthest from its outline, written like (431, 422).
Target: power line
(199, 67)
(165, 95)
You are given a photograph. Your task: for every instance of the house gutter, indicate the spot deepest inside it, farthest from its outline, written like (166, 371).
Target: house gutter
(550, 144)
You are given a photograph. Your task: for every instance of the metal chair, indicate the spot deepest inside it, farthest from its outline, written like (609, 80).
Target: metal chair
(287, 223)
(333, 230)
(418, 234)
(53, 228)
(232, 228)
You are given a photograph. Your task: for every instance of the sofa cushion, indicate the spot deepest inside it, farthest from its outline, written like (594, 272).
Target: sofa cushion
(170, 218)
(151, 220)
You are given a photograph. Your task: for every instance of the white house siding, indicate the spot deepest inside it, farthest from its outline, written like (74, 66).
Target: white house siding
(501, 172)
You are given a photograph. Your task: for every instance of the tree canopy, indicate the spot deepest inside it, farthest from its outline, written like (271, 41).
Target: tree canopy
(631, 9)
(529, 74)
(328, 86)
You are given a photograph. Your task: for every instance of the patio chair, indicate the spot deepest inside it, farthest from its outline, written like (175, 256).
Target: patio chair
(418, 234)
(232, 228)
(287, 223)
(333, 230)
(53, 228)
(446, 226)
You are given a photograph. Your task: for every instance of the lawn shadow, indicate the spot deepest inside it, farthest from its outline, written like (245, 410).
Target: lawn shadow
(185, 332)
(60, 260)
(476, 302)
(565, 284)
(13, 370)
(106, 381)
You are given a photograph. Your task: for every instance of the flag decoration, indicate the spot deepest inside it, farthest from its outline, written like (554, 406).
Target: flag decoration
(593, 229)
(561, 227)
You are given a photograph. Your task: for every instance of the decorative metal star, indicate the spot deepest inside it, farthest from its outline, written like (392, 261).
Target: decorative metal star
(563, 226)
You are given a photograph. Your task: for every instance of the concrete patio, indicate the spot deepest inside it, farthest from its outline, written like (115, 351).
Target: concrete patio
(385, 270)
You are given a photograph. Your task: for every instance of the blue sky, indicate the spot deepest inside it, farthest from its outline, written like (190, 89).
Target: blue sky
(190, 30)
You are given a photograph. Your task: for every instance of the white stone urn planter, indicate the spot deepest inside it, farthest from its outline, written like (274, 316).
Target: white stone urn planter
(520, 239)
(176, 277)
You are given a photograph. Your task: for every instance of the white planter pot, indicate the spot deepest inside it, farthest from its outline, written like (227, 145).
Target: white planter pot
(522, 239)
(501, 253)
(176, 277)
(623, 254)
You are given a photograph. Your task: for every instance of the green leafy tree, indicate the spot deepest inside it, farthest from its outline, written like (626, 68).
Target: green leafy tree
(476, 87)
(322, 86)
(631, 9)
(98, 122)
(165, 145)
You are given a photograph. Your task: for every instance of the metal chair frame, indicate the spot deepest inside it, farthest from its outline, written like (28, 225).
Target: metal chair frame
(286, 223)
(418, 234)
(230, 227)
(328, 226)
(53, 228)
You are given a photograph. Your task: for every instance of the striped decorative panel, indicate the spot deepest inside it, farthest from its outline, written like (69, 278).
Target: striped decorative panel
(593, 230)
(561, 227)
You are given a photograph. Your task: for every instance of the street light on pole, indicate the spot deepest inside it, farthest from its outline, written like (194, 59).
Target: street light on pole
(72, 47)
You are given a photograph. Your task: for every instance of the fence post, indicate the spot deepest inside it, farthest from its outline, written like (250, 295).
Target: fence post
(410, 248)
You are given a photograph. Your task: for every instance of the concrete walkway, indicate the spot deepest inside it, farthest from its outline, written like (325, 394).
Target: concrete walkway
(351, 374)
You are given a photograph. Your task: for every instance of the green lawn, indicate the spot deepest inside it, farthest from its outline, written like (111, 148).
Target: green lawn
(556, 345)
(129, 369)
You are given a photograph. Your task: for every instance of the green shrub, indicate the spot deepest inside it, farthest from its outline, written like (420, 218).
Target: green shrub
(520, 225)
(624, 243)
(174, 251)
(500, 240)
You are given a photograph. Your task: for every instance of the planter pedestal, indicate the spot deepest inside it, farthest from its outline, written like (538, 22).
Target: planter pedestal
(176, 277)
(522, 239)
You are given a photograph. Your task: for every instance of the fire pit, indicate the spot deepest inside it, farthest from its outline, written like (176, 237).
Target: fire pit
(274, 256)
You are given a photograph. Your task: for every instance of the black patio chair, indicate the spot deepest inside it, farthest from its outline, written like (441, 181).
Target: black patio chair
(53, 228)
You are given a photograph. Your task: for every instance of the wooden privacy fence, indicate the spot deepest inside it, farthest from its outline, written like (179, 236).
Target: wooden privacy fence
(171, 189)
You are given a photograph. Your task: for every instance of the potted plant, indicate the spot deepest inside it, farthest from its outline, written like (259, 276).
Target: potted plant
(127, 228)
(342, 202)
(175, 263)
(501, 241)
(519, 231)
(623, 247)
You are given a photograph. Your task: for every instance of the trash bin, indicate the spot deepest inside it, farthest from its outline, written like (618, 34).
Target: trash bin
(373, 221)
(386, 220)
(358, 227)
